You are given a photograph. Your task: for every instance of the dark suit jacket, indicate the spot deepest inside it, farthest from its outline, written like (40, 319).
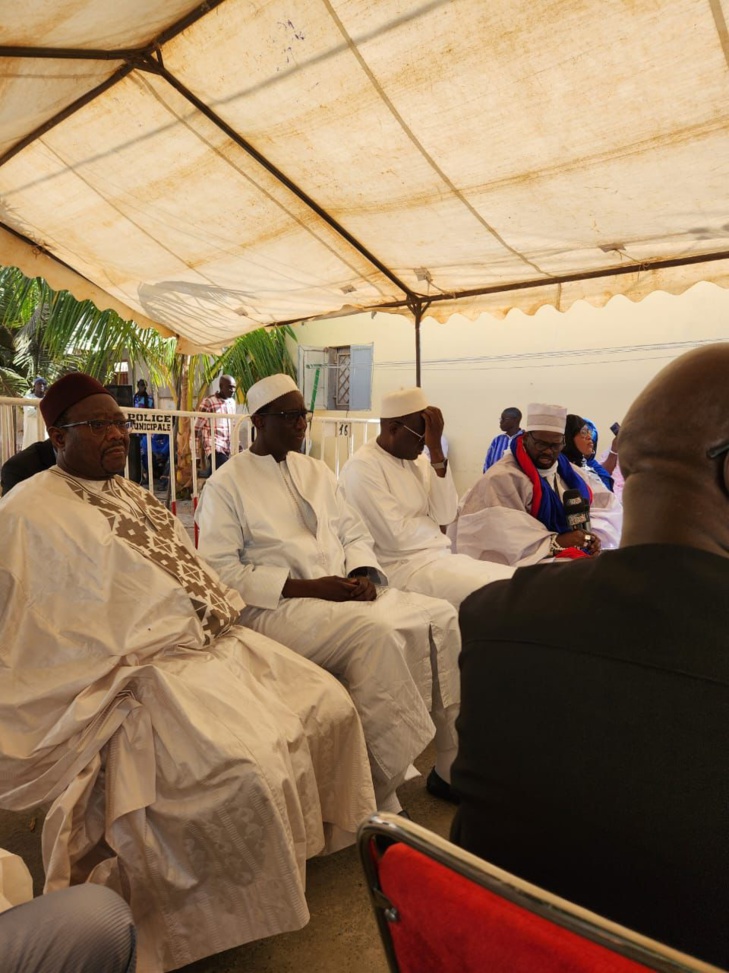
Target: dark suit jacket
(34, 459)
(594, 737)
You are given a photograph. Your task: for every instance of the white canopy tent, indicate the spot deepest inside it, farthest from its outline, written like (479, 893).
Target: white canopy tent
(213, 168)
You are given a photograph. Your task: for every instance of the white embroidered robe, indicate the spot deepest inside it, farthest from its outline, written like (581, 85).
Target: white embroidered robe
(494, 523)
(191, 763)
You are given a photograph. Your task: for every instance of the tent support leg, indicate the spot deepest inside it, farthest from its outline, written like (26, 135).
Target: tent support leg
(418, 307)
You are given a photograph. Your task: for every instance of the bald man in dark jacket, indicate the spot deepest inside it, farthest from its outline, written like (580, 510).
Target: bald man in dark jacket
(594, 729)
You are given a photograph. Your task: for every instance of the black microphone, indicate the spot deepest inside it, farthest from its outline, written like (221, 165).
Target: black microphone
(577, 510)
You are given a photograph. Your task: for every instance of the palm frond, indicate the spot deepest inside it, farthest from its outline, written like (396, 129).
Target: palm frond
(54, 333)
(11, 382)
(254, 356)
(19, 296)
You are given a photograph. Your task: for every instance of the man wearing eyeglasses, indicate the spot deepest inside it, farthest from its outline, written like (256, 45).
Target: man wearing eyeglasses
(275, 529)
(515, 514)
(192, 763)
(404, 498)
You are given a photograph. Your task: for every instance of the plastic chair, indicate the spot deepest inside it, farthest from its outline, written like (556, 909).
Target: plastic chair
(442, 910)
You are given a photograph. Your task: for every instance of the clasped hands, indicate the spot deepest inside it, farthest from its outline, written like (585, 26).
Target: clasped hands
(358, 588)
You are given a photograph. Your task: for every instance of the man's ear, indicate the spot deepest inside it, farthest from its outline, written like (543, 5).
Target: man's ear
(257, 421)
(57, 437)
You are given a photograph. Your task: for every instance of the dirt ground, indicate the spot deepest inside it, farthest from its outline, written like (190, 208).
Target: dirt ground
(342, 935)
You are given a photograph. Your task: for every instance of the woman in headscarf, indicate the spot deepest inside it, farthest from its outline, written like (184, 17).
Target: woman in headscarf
(580, 446)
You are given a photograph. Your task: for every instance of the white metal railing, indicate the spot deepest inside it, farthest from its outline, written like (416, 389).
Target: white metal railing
(334, 439)
(330, 438)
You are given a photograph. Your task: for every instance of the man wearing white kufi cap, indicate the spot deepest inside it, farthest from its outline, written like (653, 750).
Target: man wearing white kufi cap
(275, 529)
(404, 498)
(515, 514)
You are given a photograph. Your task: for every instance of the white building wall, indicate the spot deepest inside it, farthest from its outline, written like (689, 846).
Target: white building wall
(592, 360)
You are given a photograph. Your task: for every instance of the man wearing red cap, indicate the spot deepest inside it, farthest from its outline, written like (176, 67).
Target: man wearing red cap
(190, 763)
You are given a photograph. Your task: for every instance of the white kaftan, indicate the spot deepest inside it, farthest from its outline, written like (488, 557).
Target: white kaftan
(262, 522)
(494, 523)
(403, 503)
(190, 763)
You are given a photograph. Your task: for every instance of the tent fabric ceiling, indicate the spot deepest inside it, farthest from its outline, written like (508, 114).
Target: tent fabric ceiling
(214, 168)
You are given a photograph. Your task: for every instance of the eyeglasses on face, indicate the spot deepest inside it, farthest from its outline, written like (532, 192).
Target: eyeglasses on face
(419, 436)
(717, 451)
(100, 427)
(292, 416)
(543, 447)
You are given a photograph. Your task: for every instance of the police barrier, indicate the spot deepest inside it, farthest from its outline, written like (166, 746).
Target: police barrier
(329, 438)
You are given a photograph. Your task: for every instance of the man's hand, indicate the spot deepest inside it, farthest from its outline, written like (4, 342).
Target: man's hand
(365, 590)
(594, 546)
(579, 538)
(434, 432)
(330, 589)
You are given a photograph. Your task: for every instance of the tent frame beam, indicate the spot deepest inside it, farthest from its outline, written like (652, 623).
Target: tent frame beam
(82, 53)
(72, 53)
(644, 266)
(149, 58)
(418, 305)
(66, 112)
(155, 66)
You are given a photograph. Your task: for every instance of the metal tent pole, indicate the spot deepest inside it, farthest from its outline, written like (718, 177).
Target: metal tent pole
(418, 307)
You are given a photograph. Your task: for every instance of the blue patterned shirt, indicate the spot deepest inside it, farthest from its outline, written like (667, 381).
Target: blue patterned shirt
(498, 447)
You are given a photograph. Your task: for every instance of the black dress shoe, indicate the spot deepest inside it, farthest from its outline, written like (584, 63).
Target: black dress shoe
(438, 787)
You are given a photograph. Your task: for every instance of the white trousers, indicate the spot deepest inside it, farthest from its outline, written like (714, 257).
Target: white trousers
(450, 576)
(397, 656)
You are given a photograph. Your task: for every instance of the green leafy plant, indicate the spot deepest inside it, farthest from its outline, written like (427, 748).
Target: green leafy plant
(49, 333)
(53, 333)
(254, 356)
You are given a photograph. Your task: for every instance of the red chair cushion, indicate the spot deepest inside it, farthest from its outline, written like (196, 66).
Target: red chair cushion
(448, 923)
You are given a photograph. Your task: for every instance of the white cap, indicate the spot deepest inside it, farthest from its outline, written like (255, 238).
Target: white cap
(403, 403)
(541, 417)
(267, 390)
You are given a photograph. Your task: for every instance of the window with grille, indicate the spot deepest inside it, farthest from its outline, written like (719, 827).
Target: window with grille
(337, 378)
(340, 360)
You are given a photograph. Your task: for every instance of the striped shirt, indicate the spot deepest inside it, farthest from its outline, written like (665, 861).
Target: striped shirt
(213, 403)
(498, 447)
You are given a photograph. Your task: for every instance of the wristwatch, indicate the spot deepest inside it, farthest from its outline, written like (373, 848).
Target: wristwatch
(440, 466)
